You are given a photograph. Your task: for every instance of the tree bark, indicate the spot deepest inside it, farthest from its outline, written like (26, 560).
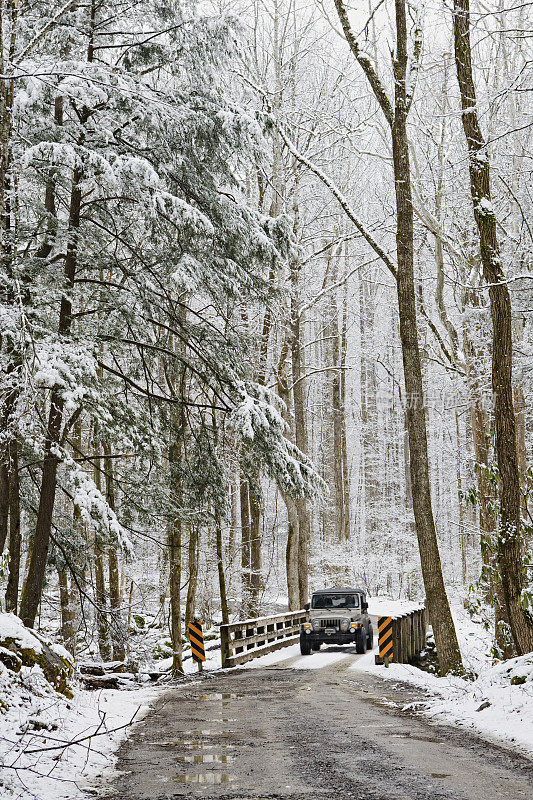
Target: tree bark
(192, 562)
(396, 114)
(342, 410)
(174, 530)
(117, 624)
(4, 504)
(115, 598)
(100, 596)
(291, 555)
(436, 599)
(221, 575)
(256, 565)
(67, 616)
(300, 437)
(15, 542)
(246, 552)
(33, 585)
(509, 543)
(174, 553)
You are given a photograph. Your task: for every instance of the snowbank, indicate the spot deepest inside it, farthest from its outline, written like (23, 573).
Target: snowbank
(11, 627)
(36, 722)
(53, 744)
(497, 705)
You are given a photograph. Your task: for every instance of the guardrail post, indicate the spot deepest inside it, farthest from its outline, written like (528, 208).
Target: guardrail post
(401, 638)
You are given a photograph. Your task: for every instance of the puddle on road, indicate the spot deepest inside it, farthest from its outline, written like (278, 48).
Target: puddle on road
(210, 778)
(195, 744)
(204, 731)
(221, 696)
(420, 738)
(205, 758)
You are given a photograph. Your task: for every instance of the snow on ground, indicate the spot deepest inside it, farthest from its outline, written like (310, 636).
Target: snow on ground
(319, 660)
(276, 657)
(491, 705)
(385, 607)
(38, 721)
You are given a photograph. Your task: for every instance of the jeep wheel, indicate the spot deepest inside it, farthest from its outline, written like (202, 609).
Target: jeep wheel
(305, 644)
(316, 645)
(370, 642)
(360, 644)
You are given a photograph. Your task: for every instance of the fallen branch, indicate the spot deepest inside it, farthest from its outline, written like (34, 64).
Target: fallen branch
(64, 745)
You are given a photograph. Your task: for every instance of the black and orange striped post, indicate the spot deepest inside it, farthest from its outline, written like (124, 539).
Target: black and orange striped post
(386, 649)
(196, 639)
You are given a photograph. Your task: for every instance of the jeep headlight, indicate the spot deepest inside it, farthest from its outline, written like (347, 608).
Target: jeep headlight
(316, 624)
(345, 624)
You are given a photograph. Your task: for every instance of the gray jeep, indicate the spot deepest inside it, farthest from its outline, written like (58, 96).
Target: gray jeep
(337, 616)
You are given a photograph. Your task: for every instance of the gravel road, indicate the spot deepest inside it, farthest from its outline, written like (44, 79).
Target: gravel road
(325, 733)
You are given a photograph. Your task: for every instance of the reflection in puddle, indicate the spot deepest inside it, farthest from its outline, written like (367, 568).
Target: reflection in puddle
(205, 758)
(194, 744)
(221, 696)
(204, 777)
(204, 732)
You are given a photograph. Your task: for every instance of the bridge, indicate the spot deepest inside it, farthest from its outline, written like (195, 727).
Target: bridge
(291, 727)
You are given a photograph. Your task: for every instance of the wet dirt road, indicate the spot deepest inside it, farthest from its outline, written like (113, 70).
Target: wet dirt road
(324, 733)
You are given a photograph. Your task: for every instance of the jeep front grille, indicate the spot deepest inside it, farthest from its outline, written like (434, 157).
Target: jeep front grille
(330, 623)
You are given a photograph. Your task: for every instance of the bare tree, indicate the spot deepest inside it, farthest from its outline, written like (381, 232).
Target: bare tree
(509, 543)
(396, 114)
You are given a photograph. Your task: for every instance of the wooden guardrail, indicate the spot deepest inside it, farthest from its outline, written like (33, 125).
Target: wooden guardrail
(401, 637)
(251, 638)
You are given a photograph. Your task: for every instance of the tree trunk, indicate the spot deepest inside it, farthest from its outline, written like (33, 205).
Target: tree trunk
(509, 544)
(174, 530)
(246, 553)
(256, 566)
(291, 556)
(4, 504)
(117, 625)
(234, 522)
(174, 553)
(396, 114)
(192, 562)
(436, 599)
(342, 410)
(33, 585)
(104, 646)
(221, 575)
(301, 440)
(67, 616)
(12, 589)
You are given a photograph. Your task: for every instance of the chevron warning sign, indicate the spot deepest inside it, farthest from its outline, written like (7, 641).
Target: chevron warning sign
(385, 638)
(196, 639)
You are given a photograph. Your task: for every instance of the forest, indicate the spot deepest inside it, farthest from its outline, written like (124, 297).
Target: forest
(266, 295)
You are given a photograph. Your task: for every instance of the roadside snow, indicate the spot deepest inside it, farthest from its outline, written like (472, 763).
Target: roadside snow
(37, 719)
(490, 705)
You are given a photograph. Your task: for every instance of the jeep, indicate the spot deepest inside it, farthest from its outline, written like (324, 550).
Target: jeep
(337, 616)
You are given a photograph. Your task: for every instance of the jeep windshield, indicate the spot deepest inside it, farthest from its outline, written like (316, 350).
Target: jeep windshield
(333, 601)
